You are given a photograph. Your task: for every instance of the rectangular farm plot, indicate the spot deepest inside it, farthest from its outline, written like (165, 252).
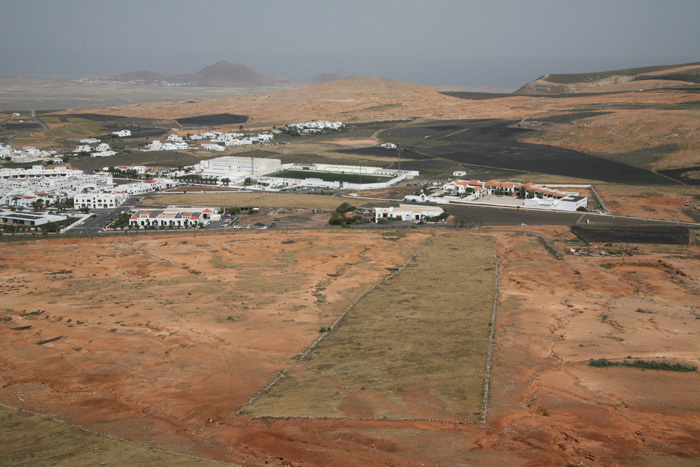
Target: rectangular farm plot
(415, 347)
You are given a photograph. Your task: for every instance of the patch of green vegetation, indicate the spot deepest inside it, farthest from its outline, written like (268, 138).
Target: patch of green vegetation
(431, 361)
(18, 165)
(340, 215)
(333, 177)
(77, 120)
(50, 119)
(644, 364)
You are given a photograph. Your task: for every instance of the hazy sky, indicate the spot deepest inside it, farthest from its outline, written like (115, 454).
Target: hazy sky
(501, 43)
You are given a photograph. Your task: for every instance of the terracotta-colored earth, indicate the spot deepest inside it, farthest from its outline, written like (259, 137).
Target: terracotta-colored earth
(667, 203)
(163, 338)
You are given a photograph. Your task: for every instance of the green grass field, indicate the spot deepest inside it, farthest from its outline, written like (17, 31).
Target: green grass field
(332, 177)
(414, 347)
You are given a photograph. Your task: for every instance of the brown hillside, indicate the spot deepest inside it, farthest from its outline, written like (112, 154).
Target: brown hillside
(224, 73)
(628, 122)
(349, 99)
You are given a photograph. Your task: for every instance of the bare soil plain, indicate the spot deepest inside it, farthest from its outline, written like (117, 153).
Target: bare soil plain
(163, 339)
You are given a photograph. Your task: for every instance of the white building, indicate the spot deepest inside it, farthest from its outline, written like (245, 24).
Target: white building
(122, 133)
(99, 200)
(174, 216)
(235, 167)
(103, 154)
(570, 203)
(102, 147)
(212, 147)
(83, 148)
(30, 218)
(407, 212)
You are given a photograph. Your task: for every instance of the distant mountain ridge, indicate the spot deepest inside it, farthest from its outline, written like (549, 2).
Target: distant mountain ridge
(615, 80)
(222, 74)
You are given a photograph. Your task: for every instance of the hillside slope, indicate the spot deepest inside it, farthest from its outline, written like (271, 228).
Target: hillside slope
(631, 79)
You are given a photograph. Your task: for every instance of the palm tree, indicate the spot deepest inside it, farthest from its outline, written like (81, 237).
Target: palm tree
(38, 204)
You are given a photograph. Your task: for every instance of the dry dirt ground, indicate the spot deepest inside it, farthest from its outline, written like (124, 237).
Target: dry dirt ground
(667, 203)
(162, 339)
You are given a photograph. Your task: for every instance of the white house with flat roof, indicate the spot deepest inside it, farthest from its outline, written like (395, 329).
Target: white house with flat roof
(407, 212)
(99, 200)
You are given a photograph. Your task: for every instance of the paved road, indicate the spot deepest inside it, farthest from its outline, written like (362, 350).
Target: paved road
(79, 165)
(473, 215)
(93, 225)
(476, 215)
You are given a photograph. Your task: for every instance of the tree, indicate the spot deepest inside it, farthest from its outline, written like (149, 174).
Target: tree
(38, 204)
(248, 181)
(85, 209)
(226, 181)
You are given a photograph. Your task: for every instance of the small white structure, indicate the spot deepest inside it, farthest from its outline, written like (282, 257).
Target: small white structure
(83, 148)
(103, 154)
(407, 212)
(102, 147)
(388, 145)
(459, 173)
(212, 147)
(570, 203)
(122, 133)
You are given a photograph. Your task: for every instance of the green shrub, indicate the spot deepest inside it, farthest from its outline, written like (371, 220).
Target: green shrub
(645, 365)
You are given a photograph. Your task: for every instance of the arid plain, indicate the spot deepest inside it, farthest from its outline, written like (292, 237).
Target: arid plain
(205, 345)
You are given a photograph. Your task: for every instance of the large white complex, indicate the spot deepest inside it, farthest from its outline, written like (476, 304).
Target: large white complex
(238, 168)
(531, 195)
(22, 187)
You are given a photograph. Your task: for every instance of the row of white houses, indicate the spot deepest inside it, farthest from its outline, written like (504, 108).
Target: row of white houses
(174, 216)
